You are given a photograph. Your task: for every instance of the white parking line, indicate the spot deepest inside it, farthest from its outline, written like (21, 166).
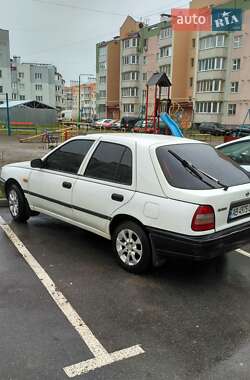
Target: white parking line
(101, 356)
(242, 252)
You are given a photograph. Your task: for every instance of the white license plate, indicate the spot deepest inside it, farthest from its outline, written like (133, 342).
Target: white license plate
(237, 212)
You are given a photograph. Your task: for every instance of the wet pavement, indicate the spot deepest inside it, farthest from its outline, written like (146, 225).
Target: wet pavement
(191, 319)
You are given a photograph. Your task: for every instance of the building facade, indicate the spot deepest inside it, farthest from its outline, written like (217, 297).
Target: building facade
(5, 76)
(108, 79)
(87, 99)
(36, 81)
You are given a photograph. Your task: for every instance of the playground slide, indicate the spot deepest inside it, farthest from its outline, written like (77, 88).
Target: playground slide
(172, 125)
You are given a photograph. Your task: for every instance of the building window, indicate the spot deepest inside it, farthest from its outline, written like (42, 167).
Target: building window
(130, 59)
(236, 64)
(211, 42)
(128, 108)
(130, 75)
(39, 87)
(144, 76)
(102, 66)
(207, 64)
(1, 89)
(192, 62)
(103, 79)
(21, 86)
(102, 94)
(129, 43)
(234, 86)
(208, 107)
(209, 85)
(20, 75)
(191, 82)
(166, 51)
(129, 91)
(38, 75)
(14, 96)
(231, 109)
(22, 97)
(237, 41)
(165, 33)
(39, 98)
(0, 73)
(144, 60)
(166, 69)
(193, 42)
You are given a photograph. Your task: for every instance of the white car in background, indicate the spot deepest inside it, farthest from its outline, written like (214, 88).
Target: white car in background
(152, 195)
(238, 150)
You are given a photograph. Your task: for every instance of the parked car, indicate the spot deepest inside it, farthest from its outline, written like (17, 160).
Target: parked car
(152, 195)
(238, 150)
(128, 122)
(108, 123)
(212, 128)
(116, 126)
(102, 122)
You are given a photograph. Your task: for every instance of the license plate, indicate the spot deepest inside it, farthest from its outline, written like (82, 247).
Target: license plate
(239, 211)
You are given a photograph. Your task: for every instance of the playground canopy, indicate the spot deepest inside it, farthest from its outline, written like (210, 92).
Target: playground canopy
(28, 111)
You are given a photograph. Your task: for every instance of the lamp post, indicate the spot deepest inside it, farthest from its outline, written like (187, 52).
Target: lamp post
(90, 76)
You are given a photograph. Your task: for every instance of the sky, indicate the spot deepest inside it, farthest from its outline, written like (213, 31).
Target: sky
(65, 32)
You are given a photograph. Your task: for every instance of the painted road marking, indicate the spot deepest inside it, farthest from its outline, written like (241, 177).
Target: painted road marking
(242, 252)
(101, 355)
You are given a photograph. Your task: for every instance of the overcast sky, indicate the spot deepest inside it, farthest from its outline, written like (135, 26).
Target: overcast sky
(65, 32)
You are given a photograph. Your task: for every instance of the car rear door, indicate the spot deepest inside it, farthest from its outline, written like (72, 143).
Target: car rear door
(50, 188)
(107, 183)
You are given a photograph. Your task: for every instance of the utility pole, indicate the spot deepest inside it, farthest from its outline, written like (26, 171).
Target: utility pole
(8, 114)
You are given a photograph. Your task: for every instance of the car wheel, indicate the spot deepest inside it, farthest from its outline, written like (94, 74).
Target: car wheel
(18, 205)
(132, 247)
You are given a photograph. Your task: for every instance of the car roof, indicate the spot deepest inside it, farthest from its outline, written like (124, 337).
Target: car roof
(140, 138)
(233, 141)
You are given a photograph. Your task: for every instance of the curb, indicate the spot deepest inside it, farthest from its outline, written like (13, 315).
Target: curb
(3, 202)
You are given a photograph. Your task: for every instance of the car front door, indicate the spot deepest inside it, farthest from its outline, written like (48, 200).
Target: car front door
(108, 182)
(50, 188)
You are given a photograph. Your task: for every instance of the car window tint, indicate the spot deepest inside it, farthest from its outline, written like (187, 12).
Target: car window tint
(69, 157)
(239, 152)
(203, 157)
(111, 162)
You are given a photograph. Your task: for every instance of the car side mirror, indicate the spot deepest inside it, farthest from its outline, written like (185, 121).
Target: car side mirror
(37, 163)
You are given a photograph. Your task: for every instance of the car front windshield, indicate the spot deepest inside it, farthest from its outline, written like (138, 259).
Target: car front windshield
(203, 157)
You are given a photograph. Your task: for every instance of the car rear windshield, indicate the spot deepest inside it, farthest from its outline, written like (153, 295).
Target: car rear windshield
(203, 157)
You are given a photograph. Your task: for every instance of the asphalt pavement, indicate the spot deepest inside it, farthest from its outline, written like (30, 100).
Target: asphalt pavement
(191, 319)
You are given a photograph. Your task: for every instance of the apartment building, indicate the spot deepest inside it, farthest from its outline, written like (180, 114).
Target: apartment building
(87, 99)
(144, 50)
(5, 77)
(37, 81)
(108, 79)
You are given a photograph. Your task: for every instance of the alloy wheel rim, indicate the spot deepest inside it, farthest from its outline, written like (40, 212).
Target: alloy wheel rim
(129, 247)
(13, 202)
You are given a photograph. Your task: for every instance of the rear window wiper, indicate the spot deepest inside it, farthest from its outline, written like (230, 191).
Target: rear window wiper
(198, 172)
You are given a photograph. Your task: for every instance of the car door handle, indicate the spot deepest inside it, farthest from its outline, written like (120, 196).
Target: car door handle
(67, 185)
(117, 197)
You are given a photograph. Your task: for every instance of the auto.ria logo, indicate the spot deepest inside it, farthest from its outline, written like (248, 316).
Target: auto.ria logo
(226, 19)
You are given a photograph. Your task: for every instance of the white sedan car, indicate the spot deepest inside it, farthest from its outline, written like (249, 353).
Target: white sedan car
(152, 195)
(238, 150)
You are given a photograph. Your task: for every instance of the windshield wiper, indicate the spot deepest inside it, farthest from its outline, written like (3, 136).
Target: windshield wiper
(198, 172)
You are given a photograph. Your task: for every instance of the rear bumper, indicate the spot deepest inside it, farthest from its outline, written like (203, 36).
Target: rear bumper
(165, 243)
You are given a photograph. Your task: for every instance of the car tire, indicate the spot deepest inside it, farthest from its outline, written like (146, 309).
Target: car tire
(18, 204)
(132, 247)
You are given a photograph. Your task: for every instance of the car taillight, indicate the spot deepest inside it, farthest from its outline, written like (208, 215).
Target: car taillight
(203, 219)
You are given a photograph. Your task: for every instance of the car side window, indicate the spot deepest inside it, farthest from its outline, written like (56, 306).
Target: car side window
(111, 162)
(69, 157)
(239, 152)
